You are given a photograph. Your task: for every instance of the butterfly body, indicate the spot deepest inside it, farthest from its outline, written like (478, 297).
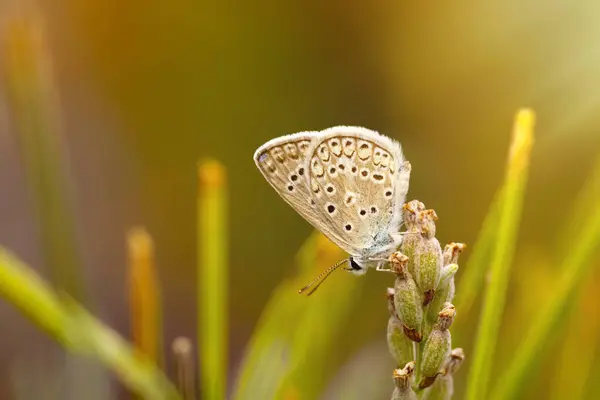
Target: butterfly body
(348, 182)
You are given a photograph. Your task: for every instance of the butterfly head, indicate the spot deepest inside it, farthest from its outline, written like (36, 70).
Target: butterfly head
(357, 266)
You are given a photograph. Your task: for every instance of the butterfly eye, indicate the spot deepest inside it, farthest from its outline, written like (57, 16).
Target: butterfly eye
(354, 265)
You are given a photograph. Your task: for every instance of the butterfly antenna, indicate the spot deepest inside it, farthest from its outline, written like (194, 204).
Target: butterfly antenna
(321, 278)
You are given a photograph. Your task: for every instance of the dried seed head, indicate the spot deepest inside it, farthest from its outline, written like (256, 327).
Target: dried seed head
(402, 380)
(399, 263)
(411, 210)
(446, 316)
(426, 222)
(402, 375)
(454, 361)
(452, 251)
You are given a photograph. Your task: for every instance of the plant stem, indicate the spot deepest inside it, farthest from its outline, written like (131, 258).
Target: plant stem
(495, 295)
(212, 272)
(575, 268)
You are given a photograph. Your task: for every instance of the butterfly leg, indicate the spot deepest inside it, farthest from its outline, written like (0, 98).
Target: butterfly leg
(380, 267)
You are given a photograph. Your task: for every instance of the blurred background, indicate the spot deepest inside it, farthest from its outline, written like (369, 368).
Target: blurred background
(143, 90)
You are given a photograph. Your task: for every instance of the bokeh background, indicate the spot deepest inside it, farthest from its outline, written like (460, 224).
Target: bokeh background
(145, 89)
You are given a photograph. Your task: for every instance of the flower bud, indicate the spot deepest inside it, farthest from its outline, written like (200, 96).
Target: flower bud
(402, 380)
(428, 264)
(410, 241)
(446, 274)
(437, 349)
(452, 251)
(442, 293)
(407, 299)
(400, 346)
(443, 387)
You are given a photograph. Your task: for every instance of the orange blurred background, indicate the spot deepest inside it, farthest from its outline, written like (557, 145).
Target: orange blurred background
(148, 88)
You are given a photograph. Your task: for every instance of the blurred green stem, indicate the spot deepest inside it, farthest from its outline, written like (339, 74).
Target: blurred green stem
(472, 279)
(502, 256)
(575, 268)
(35, 106)
(79, 332)
(212, 272)
(144, 295)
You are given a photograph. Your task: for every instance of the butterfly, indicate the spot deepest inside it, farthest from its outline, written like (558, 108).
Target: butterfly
(348, 182)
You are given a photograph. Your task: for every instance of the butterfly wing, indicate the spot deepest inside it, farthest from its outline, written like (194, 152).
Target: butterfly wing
(358, 180)
(283, 163)
(315, 171)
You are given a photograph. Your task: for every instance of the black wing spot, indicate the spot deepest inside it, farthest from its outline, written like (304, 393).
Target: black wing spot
(363, 212)
(331, 208)
(290, 188)
(373, 210)
(301, 171)
(348, 227)
(377, 177)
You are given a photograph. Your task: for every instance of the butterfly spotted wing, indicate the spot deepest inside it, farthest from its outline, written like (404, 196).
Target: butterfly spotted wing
(348, 182)
(359, 180)
(282, 162)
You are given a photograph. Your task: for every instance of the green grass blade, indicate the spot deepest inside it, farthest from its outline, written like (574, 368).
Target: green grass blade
(575, 268)
(266, 361)
(582, 333)
(212, 272)
(502, 256)
(76, 330)
(474, 271)
(34, 104)
(287, 356)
